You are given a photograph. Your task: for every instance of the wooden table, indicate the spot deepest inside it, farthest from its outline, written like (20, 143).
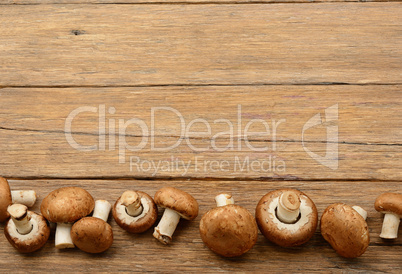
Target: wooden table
(251, 96)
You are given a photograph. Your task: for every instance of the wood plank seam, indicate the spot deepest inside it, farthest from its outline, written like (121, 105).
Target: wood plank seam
(200, 138)
(206, 85)
(194, 2)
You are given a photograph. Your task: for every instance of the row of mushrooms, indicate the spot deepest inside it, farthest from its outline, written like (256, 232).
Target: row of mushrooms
(286, 217)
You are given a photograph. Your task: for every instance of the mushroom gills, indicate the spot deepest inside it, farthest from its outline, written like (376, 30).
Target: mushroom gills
(167, 225)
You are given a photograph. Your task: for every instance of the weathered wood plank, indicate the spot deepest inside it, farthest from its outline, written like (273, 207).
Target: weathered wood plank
(35, 154)
(100, 45)
(161, 2)
(366, 114)
(188, 253)
(33, 139)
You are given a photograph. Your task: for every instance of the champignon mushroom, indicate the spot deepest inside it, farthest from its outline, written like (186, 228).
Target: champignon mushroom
(26, 231)
(7, 197)
(229, 230)
(64, 206)
(94, 234)
(345, 229)
(391, 205)
(135, 211)
(177, 203)
(287, 217)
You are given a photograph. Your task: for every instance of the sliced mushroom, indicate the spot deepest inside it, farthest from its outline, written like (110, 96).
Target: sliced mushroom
(135, 211)
(7, 197)
(345, 229)
(177, 203)
(64, 206)
(94, 234)
(229, 230)
(391, 205)
(26, 231)
(287, 217)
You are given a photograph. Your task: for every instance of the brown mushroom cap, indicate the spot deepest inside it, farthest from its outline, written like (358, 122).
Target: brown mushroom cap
(345, 229)
(5, 199)
(283, 234)
(140, 223)
(229, 230)
(389, 203)
(67, 204)
(32, 241)
(175, 199)
(92, 235)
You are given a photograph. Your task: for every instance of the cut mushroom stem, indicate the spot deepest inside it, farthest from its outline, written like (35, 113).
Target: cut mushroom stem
(19, 215)
(224, 199)
(102, 210)
(63, 236)
(167, 226)
(131, 200)
(390, 226)
(24, 197)
(361, 211)
(288, 207)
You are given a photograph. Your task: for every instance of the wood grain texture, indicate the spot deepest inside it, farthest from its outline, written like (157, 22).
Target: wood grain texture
(103, 45)
(35, 154)
(188, 253)
(366, 114)
(162, 2)
(368, 139)
(283, 60)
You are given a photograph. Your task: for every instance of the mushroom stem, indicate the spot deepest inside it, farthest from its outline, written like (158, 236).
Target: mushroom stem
(288, 207)
(390, 226)
(224, 199)
(102, 210)
(131, 200)
(361, 211)
(19, 215)
(167, 225)
(25, 197)
(63, 236)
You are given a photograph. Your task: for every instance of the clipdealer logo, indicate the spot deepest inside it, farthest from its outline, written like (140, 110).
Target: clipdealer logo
(237, 133)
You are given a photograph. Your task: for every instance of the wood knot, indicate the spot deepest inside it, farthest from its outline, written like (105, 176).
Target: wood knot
(77, 32)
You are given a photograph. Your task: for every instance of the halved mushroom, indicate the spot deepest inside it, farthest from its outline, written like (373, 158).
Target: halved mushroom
(177, 203)
(135, 211)
(64, 206)
(26, 231)
(229, 230)
(287, 217)
(391, 205)
(7, 197)
(94, 234)
(345, 229)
